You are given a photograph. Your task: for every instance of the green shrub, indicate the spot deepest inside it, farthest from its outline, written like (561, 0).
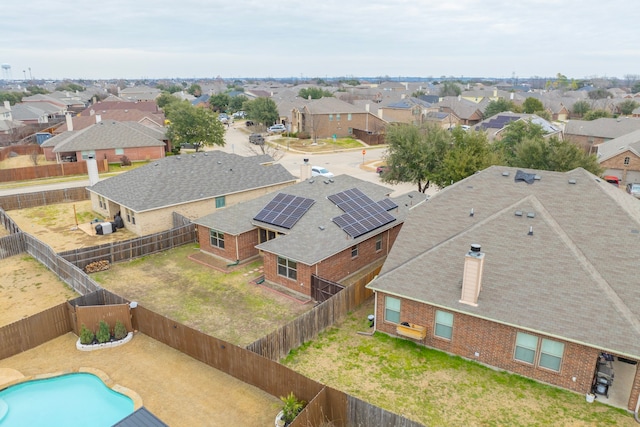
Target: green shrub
(86, 335)
(103, 334)
(119, 331)
(291, 408)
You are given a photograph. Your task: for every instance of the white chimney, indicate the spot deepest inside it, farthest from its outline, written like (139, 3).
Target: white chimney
(98, 118)
(472, 276)
(495, 92)
(92, 168)
(305, 170)
(511, 96)
(69, 122)
(7, 105)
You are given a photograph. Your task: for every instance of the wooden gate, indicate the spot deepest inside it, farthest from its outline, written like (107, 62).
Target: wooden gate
(323, 289)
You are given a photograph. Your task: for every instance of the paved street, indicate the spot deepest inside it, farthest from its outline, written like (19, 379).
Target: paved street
(237, 141)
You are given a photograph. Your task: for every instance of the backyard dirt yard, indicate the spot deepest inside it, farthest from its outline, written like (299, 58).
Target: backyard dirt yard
(27, 287)
(177, 388)
(226, 305)
(435, 388)
(55, 225)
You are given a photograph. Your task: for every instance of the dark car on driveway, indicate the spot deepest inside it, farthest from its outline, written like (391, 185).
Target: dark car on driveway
(256, 138)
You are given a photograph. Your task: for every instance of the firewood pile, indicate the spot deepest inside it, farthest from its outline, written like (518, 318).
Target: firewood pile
(96, 266)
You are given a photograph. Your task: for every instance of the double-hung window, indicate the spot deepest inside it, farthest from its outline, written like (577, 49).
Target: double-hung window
(444, 324)
(392, 309)
(551, 354)
(526, 347)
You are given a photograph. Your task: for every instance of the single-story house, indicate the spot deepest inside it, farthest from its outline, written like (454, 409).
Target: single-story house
(107, 140)
(193, 186)
(328, 228)
(531, 272)
(621, 157)
(496, 124)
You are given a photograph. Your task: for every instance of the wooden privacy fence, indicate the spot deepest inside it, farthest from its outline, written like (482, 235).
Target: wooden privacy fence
(43, 198)
(34, 330)
(132, 248)
(307, 326)
(48, 171)
(91, 315)
(8, 223)
(20, 149)
(11, 245)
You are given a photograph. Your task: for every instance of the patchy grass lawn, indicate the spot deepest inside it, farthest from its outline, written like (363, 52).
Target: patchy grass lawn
(435, 388)
(225, 305)
(323, 145)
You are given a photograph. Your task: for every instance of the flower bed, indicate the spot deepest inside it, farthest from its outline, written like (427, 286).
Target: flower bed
(98, 346)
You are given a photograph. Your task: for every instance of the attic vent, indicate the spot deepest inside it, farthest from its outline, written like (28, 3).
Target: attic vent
(537, 177)
(193, 155)
(505, 173)
(177, 157)
(206, 154)
(321, 227)
(518, 213)
(531, 214)
(219, 162)
(572, 181)
(311, 181)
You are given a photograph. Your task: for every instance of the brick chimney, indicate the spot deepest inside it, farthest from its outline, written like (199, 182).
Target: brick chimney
(472, 276)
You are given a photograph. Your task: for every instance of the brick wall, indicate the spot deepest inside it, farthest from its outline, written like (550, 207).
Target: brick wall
(495, 345)
(617, 162)
(334, 268)
(240, 247)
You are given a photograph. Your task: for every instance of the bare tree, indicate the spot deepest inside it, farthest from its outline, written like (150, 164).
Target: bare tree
(34, 153)
(270, 149)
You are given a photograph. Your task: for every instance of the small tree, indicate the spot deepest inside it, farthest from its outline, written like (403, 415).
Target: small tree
(581, 107)
(119, 331)
(86, 335)
(531, 105)
(103, 334)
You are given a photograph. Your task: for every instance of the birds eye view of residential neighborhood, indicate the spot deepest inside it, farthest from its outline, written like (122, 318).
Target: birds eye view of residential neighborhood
(255, 220)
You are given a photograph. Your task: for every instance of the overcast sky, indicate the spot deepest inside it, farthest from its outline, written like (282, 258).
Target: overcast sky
(136, 39)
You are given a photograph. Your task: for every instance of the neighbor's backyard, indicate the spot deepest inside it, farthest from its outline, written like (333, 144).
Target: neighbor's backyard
(435, 388)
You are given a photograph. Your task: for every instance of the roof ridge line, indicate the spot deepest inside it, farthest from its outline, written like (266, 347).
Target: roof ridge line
(610, 293)
(459, 233)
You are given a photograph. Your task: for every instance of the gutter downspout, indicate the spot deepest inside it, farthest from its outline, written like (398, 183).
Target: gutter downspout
(635, 414)
(237, 251)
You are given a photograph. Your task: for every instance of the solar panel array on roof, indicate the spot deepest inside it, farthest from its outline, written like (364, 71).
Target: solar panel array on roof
(362, 214)
(499, 122)
(284, 210)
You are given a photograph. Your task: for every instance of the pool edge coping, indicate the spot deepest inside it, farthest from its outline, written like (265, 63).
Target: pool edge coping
(106, 380)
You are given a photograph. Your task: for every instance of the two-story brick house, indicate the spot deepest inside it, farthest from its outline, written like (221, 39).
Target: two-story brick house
(325, 117)
(330, 228)
(621, 157)
(548, 286)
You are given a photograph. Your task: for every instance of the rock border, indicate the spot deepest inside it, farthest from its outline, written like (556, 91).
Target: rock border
(100, 346)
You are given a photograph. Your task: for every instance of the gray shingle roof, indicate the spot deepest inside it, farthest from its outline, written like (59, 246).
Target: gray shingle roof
(630, 141)
(176, 180)
(108, 134)
(574, 278)
(306, 242)
(602, 127)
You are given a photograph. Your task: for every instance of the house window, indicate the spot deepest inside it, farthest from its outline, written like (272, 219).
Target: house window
(87, 154)
(354, 251)
(220, 202)
(627, 160)
(378, 243)
(392, 309)
(526, 346)
(287, 268)
(349, 117)
(350, 131)
(444, 324)
(102, 202)
(216, 238)
(131, 216)
(119, 151)
(330, 117)
(337, 117)
(551, 354)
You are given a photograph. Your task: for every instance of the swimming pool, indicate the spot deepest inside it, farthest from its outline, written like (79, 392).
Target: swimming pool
(71, 400)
